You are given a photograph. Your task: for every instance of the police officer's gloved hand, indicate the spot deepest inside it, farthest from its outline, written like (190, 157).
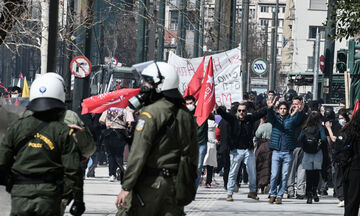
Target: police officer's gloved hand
(77, 208)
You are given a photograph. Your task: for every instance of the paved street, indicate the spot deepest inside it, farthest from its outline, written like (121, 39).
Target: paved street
(100, 198)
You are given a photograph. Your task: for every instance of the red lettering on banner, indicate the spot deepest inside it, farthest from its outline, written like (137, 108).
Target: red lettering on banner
(236, 60)
(216, 62)
(229, 59)
(190, 68)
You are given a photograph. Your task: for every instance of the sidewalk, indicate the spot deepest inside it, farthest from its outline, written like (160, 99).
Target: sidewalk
(100, 196)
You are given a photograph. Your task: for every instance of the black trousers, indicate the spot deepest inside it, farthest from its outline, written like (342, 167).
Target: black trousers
(115, 144)
(209, 174)
(226, 162)
(352, 193)
(312, 181)
(338, 179)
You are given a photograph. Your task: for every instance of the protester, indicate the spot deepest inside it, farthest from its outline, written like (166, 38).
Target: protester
(351, 165)
(241, 147)
(210, 160)
(15, 92)
(314, 143)
(296, 180)
(116, 121)
(225, 140)
(263, 155)
(282, 143)
(202, 134)
(91, 120)
(335, 134)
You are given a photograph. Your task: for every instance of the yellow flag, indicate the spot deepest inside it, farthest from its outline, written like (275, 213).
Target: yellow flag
(26, 90)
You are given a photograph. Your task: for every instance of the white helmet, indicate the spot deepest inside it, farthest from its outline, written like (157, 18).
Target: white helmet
(162, 76)
(47, 92)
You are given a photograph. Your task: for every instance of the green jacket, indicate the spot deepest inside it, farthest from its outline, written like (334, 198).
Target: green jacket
(155, 146)
(52, 150)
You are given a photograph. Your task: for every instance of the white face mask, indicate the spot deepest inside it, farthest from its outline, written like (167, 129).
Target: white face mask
(342, 122)
(15, 95)
(190, 107)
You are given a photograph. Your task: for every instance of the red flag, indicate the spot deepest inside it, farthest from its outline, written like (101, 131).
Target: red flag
(356, 107)
(206, 101)
(2, 86)
(21, 76)
(194, 85)
(100, 103)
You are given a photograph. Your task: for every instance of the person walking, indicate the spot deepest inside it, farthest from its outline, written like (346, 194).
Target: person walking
(210, 160)
(313, 140)
(164, 149)
(45, 151)
(241, 147)
(116, 121)
(282, 144)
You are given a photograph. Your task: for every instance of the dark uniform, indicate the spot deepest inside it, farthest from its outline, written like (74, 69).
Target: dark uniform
(156, 149)
(40, 165)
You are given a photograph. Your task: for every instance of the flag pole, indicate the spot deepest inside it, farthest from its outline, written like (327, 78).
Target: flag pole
(241, 76)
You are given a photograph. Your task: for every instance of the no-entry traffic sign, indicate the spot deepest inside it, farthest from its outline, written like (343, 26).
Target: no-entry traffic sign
(80, 66)
(322, 63)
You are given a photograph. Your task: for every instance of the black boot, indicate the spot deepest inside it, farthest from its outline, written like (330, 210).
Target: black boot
(309, 198)
(316, 197)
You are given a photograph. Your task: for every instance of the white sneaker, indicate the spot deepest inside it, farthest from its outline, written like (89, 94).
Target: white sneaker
(341, 204)
(112, 178)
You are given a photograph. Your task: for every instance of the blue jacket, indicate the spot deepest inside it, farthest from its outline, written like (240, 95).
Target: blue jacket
(286, 125)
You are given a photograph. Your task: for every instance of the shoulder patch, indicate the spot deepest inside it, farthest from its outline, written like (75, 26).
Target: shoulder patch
(140, 125)
(146, 114)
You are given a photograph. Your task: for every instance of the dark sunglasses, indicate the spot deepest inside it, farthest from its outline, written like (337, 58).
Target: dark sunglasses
(241, 110)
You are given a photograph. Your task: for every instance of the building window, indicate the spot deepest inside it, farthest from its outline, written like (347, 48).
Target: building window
(264, 22)
(312, 32)
(318, 4)
(252, 12)
(281, 22)
(310, 62)
(173, 19)
(283, 9)
(264, 9)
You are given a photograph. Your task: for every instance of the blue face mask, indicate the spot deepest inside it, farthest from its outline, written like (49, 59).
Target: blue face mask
(342, 122)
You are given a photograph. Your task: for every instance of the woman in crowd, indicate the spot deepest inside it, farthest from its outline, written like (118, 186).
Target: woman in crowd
(313, 140)
(210, 160)
(351, 152)
(263, 155)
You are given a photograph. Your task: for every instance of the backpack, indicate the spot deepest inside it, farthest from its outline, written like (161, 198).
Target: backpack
(311, 140)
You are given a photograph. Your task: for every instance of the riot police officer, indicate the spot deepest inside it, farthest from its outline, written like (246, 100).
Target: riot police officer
(164, 126)
(38, 151)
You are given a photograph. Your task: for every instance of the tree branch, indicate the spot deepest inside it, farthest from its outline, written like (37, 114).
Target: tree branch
(11, 11)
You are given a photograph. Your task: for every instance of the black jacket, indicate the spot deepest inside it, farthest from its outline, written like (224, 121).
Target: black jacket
(239, 140)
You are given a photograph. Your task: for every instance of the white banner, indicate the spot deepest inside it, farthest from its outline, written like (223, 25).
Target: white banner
(226, 70)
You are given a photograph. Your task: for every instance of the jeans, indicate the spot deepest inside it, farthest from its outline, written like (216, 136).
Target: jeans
(236, 157)
(297, 174)
(202, 153)
(280, 161)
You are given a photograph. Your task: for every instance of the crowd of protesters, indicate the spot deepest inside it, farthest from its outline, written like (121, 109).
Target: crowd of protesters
(288, 147)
